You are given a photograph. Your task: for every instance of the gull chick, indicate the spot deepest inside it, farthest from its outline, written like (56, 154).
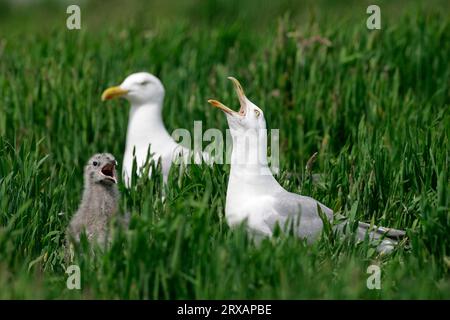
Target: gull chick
(145, 92)
(99, 201)
(255, 197)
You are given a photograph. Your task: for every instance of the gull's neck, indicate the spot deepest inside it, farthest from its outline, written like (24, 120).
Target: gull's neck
(145, 126)
(249, 165)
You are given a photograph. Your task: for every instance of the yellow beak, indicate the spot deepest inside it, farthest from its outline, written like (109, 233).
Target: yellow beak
(113, 92)
(221, 106)
(240, 94)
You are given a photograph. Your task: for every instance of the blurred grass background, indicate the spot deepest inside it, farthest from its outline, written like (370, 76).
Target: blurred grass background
(374, 104)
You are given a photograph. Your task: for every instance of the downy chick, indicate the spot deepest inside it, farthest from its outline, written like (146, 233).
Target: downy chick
(99, 202)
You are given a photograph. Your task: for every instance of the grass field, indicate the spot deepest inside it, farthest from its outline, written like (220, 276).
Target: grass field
(373, 104)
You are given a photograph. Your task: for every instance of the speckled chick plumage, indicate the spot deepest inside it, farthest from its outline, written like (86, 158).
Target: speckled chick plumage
(99, 202)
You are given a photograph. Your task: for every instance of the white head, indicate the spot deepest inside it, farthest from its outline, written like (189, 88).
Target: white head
(248, 130)
(249, 117)
(138, 88)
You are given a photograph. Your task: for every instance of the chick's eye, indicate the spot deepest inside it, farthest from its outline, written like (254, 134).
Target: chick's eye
(95, 163)
(257, 113)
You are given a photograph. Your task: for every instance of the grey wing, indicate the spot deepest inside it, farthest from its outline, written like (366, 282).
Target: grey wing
(293, 204)
(303, 213)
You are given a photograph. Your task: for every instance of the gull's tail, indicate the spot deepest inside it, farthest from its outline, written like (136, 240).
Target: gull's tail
(385, 238)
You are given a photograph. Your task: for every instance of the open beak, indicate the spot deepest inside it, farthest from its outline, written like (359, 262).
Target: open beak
(109, 171)
(241, 96)
(113, 92)
(221, 106)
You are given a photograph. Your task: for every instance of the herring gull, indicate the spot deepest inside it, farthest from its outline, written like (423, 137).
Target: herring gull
(256, 198)
(146, 132)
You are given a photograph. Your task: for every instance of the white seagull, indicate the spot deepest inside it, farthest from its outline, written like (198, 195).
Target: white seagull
(145, 92)
(255, 197)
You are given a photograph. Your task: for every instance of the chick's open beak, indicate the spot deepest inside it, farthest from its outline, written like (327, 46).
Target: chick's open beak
(109, 171)
(113, 92)
(241, 96)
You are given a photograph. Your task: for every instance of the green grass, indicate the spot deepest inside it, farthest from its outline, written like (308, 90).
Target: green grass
(374, 104)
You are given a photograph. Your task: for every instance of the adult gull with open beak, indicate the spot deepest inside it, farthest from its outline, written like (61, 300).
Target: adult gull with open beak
(255, 197)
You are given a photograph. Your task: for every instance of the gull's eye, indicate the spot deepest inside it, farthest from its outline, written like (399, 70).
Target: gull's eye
(144, 83)
(95, 163)
(257, 113)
